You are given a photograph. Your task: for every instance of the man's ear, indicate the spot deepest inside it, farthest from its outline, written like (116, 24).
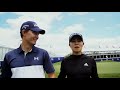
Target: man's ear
(23, 31)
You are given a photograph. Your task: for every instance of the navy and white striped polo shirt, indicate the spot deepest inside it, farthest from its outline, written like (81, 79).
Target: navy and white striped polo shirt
(32, 65)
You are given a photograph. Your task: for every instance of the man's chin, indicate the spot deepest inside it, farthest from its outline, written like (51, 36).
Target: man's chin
(33, 44)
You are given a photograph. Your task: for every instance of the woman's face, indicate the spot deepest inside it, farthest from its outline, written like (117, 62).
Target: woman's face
(76, 45)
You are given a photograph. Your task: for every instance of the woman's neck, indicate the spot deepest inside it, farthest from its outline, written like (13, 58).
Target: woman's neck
(76, 53)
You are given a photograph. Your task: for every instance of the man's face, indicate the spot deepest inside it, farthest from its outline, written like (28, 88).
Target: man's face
(76, 45)
(30, 37)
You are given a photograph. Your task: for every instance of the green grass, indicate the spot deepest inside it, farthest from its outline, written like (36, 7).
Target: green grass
(57, 67)
(106, 69)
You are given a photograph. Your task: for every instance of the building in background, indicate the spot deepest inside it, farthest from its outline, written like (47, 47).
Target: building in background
(113, 55)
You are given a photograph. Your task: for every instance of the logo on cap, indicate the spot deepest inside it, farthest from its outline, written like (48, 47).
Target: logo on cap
(35, 25)
(25, 26)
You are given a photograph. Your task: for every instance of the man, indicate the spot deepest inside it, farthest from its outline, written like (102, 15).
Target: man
(28, 61)
(77, 65)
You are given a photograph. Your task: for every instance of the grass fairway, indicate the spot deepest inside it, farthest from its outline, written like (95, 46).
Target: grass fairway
(106, 69)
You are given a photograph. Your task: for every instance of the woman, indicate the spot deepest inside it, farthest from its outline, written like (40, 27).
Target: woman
(77, 65)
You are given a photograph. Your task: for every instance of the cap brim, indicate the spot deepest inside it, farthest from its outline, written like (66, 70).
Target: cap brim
(41, 31)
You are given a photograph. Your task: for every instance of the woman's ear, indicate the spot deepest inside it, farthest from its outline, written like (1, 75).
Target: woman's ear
(83, 43)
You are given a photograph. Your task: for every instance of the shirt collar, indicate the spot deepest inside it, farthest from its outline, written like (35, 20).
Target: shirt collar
(19, 49)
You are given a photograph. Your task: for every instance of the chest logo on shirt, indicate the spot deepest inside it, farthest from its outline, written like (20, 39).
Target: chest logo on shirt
(85, 64)
(36, 58)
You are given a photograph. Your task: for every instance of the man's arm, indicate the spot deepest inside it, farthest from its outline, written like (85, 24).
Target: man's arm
(5, 69)
(51, 75)
(48, 66)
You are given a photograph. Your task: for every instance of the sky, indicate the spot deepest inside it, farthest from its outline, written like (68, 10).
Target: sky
(100, 30)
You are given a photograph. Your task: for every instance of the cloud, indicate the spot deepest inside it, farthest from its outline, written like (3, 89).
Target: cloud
(77, 13)
(75, 28)
(108, 28)
(92, 20)
(2, 12)
(118, 25)
(43, 19)
(97, 44)
(56, 44)
(80, 13)
(9, 38)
